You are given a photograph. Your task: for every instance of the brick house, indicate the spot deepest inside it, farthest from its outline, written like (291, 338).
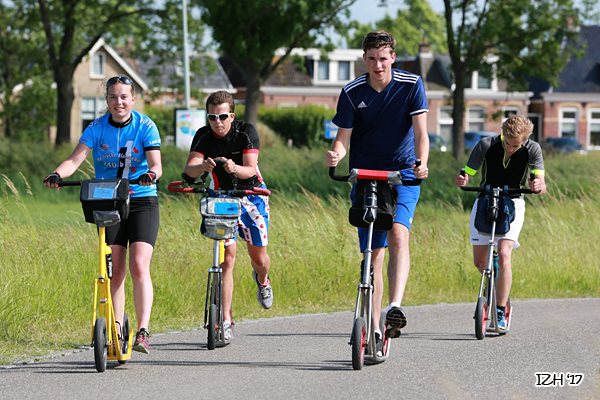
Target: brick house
(572, 109)
(319, 81)
(102, 63)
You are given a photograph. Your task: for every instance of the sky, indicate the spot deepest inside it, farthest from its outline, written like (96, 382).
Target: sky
(365, 11)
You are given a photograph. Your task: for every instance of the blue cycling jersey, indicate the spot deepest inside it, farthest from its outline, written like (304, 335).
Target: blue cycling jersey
(119, 150)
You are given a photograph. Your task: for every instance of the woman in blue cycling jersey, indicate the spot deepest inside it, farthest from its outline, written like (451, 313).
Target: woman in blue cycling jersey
(125, 144)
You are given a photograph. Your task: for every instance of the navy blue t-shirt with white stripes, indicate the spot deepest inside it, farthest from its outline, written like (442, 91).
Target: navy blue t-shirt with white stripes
(382, 131)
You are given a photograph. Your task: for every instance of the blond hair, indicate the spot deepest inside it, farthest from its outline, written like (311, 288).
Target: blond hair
(517, 126)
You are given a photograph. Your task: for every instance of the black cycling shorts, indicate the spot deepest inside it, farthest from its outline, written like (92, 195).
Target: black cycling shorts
(141, 226)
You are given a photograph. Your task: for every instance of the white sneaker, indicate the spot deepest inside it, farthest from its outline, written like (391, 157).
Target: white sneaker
(227, 331)
(264, 294)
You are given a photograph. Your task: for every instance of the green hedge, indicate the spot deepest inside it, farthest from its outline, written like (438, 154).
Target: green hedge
(305, 126)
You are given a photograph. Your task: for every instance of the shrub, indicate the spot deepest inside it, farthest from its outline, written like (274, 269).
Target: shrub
(305, 126)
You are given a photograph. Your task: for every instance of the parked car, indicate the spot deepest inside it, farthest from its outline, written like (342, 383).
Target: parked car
(437, 143)
(562, 145)
(472, 138)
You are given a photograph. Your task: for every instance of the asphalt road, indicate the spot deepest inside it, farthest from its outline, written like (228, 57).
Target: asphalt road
(307, 356)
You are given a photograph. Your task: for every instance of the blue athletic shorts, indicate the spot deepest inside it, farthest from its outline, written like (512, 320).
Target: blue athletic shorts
(408, 196)
(253, 224)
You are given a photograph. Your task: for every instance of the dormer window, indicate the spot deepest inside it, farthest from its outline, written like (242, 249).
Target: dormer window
(344, 70)
(483, 82)
(323, 71)
(477, 81)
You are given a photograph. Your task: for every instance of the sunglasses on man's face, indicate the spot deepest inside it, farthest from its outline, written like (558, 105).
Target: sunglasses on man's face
(222, 117)
(119, 79)
(371, 39)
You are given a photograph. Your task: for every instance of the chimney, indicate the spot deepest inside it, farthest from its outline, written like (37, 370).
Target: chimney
(424, 47)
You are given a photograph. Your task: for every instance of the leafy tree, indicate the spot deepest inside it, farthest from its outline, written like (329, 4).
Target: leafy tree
(28, 100)
(526, 39)
(412, 24)
(72, 28)
(164, 56)
(590, 11)
(249, 32)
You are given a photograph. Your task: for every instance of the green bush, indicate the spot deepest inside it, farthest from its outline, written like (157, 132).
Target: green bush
(305, 126)
(164, 118)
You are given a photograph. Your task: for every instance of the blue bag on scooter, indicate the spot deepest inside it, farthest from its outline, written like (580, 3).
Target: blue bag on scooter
(505, 215)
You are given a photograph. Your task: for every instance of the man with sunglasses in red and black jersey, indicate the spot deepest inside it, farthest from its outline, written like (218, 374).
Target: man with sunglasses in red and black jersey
(237, 143)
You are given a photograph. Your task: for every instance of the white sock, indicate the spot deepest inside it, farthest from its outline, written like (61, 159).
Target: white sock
(378, 331)
(393, 304)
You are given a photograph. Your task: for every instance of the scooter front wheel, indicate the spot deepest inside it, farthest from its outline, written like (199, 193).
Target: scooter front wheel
(212, 326)
(481, 318)
(358, 343)
(100, 348)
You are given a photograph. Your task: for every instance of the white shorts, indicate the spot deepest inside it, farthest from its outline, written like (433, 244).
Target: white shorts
(483, 239)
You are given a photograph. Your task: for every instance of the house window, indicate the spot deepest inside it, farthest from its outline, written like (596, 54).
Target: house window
(483, 82)
(469, 81)
(98, 65)
(344, 70)
(568, 122)
(510, 111)
(445, 122)
(91, 108)
(595, 127)
(323, 71)
(475, 119)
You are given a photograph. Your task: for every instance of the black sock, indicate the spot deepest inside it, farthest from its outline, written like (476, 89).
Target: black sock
(502, 308)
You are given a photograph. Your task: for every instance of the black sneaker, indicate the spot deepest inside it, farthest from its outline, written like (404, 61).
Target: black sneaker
(395, 320)
(378, 345)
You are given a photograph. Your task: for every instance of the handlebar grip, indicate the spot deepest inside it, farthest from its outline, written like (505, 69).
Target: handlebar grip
(341, 178)
(418, 162)
(463, 172)
(136, 181)
(531, 175)
(69, 183)
(173, 188)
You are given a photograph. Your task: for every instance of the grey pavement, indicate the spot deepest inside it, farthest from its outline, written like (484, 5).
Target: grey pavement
(307, 356)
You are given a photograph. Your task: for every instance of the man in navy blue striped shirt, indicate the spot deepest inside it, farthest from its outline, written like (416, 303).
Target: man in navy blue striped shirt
(384, 114)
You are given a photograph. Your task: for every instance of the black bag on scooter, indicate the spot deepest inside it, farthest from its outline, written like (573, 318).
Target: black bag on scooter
(387, 198)
(505, 215)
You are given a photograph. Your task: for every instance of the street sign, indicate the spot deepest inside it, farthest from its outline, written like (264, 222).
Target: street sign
(330, 130)
(187, 122)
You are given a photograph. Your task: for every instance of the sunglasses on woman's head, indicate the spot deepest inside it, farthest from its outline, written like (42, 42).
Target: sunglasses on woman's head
(222, 117)
(119, 79)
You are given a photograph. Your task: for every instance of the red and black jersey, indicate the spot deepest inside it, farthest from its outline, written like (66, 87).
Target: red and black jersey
(241, 139)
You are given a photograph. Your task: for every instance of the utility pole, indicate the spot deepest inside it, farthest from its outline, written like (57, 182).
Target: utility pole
(186, 61)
